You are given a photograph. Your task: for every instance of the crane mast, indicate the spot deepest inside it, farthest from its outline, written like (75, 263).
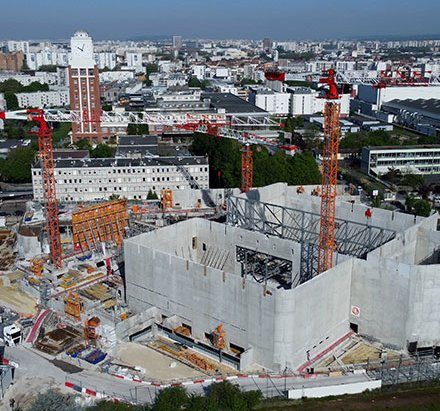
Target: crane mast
(332, 113)
(45, 150)
(213, 124)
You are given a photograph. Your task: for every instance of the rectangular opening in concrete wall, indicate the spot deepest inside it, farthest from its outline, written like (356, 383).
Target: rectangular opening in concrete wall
(354, 327)
(264, 267)
(194, 243)
(236, 349)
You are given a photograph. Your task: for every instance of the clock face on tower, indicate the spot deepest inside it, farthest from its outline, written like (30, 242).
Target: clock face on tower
(82, 52)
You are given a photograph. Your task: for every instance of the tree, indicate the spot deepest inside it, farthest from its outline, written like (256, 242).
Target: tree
(53, 400)
(137, 129)
(422, 208)
(50, 68)
(195, 82)
(412, 180)
(418, 206)
(17, 167)
(225, 164)
(172, 398)
(11, 101)
(152, 195)
(228, 396)
(111, 406)
(102, 151)
(83, 144)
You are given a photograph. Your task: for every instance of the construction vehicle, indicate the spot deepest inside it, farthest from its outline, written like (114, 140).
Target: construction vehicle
(12, 335)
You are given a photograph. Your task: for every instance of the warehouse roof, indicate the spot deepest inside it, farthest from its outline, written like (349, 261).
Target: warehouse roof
(429, 107)
(231, 103)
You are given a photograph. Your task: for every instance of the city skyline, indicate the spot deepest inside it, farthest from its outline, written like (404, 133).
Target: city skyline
(238, 19)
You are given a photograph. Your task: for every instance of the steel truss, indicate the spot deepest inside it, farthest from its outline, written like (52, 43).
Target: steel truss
(351, 238)
(263, 267)
(247, 120)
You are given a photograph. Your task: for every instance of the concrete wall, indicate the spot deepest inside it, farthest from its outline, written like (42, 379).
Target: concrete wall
(398, 299)
(331, 390)
(284, 195)
(312, 316)
(280, 326)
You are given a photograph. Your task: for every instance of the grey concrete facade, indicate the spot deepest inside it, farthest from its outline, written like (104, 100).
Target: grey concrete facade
(189, 270)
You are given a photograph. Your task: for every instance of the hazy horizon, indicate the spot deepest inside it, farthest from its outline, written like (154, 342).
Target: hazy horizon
(245, 19)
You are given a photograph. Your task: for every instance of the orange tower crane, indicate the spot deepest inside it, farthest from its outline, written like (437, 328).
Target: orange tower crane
(247, 168)
(215, 126)
(45, 148)
(332, 113)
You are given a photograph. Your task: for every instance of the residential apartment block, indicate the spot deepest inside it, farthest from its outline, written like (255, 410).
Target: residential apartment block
(92, 179)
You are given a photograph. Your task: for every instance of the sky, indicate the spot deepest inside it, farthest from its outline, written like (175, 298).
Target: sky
(218, 19)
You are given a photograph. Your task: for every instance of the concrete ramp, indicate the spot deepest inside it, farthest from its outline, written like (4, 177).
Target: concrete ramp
(33, 334)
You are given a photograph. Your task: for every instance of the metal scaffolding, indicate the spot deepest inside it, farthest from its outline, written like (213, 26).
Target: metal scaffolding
(351, 238)
(262, 266)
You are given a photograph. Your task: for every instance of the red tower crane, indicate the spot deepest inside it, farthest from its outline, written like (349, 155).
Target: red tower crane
(45, 149)
(216, 127)
(332, 111)
(247, 168)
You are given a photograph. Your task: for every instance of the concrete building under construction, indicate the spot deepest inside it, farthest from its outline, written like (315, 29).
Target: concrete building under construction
(257, 276)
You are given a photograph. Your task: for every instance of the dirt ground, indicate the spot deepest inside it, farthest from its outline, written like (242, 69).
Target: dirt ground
(155, 364)
(25, 390)
(17, 300)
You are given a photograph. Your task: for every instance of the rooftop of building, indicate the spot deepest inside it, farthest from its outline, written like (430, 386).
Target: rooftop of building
(231, 103)
(145, 140)
(10, 144)
(129, 162)
(65, 154)
(429, 107)
(404, 148)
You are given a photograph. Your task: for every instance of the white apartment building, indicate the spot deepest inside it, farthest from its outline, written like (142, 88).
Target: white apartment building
(305, 101)
(95, 179)
(273, 102)
(47, 57)
(26, 79)
(407, 159)
(120, 75)
(105, 60)
(14, 46)
(199, 71)
(133, 60)
(41, 99)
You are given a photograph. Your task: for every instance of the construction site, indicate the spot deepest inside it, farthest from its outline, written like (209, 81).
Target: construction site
(207, 282)
(256, 275)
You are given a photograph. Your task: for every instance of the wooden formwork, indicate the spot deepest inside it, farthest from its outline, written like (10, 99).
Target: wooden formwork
(103, 223)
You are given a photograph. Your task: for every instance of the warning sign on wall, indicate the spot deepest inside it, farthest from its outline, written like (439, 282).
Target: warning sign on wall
(356, 311)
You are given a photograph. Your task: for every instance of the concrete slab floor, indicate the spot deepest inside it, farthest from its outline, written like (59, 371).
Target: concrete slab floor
(155, 364)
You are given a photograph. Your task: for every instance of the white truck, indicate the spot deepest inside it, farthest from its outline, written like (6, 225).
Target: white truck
(11, 335)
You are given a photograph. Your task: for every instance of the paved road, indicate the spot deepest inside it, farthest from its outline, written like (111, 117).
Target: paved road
(33, 364)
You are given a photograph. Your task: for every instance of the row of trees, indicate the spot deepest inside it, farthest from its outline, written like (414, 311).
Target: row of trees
(12, 86)
(382, 138)
(99, 151)
(222, 396)
(225, 164)
(16, 168)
